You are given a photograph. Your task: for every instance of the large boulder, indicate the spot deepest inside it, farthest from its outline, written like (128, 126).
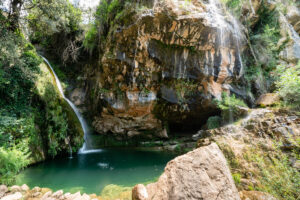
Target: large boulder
(199, 174)
(267, 99)
(164, 65)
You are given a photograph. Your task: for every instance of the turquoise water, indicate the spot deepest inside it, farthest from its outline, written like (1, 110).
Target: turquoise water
(90, 173)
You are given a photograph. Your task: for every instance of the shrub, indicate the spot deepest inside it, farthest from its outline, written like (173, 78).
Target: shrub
(89, 42)
(213, 122)
(12, 160)
(288, 85)
(277, 177)
(237, 178)
(229, 105)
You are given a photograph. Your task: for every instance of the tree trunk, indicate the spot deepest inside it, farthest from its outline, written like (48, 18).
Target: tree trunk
(14, 15)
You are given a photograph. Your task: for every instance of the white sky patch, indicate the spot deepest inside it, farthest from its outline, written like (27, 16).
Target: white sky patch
(4, 5)
(86, 3)
(88, 8)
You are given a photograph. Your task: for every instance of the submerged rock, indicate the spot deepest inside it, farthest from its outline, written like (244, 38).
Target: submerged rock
(199, 174)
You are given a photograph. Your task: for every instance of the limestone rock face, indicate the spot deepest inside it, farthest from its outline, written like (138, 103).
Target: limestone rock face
(199, 174)
(165, 65)
(293, 17)
(291, 52)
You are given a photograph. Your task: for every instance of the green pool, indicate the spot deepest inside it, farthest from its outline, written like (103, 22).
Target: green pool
(91, 172)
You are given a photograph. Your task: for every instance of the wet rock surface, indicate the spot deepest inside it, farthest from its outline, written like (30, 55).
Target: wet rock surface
(165, 66)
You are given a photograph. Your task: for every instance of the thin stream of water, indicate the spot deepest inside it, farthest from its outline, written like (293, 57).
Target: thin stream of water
(86, 146)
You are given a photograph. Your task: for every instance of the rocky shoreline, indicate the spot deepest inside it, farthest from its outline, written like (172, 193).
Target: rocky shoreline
(24, 192)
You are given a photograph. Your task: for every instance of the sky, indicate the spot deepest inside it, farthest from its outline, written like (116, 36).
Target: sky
(86, 3)
(82, 3)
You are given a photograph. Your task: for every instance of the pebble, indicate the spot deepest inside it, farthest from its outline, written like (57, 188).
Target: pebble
(15, 196)
(3, 190)
(15, 188)
(46, 195)
(58, 194)
(25, 187)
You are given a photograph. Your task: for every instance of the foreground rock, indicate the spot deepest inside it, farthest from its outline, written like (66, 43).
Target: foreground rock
(199, 174)
(24, 193)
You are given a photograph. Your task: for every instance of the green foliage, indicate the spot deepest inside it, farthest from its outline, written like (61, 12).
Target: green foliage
(263, 39)
(237, 178)
(277, 176)
(288, 85)
(230, 156)
(18, 64)
(213, 122)
(33, 116)
(107, 11)
(185, 89)
(57, 125)
(229, 105)
(56, 26)
(234, 5)
(12, 160)
(89, 42)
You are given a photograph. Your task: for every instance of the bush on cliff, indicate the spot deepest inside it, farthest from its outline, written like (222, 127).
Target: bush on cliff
(230, 107)
(12, 160)
(33, 118)
(288, 85)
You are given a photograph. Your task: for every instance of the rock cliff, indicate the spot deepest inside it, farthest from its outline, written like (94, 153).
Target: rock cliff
(162, 67)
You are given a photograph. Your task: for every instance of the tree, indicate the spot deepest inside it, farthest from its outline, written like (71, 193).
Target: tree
(53, 23)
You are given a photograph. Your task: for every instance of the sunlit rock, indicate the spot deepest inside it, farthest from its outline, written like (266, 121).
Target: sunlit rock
(199, 174)
(165, 66)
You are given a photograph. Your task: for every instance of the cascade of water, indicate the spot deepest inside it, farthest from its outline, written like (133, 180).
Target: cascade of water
(294, 34)
(70, 151)
(218, 11)
(238, 36)
(87, 143)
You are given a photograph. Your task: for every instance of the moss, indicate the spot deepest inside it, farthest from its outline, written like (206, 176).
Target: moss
(111, 192)
(276, 176)
(230, 156)
(237, 179)
(63, 122)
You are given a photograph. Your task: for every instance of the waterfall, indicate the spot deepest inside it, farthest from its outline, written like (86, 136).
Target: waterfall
(86, 146)
(226, 29)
